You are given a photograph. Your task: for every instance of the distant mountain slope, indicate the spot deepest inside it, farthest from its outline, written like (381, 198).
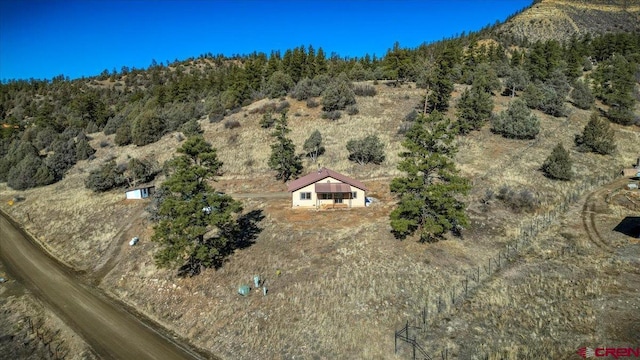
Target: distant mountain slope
(560, 19)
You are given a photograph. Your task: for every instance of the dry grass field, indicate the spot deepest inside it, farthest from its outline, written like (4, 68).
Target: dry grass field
(338, 283)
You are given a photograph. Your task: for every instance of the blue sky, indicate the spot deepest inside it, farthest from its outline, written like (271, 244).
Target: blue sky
(44, 38)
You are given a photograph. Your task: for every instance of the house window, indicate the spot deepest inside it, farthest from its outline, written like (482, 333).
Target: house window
(305, 196)
(325, 196)
(354, 194)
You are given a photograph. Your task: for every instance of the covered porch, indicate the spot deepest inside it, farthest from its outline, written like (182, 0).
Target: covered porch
(333, 196)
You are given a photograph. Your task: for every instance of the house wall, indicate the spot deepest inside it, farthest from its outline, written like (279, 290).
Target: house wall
(295, 197)
(314, 201)
(133, 194)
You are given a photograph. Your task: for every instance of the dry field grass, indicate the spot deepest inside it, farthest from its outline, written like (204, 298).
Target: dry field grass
(345, 283)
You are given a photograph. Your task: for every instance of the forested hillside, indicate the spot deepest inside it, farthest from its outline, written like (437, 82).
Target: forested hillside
(46, 122)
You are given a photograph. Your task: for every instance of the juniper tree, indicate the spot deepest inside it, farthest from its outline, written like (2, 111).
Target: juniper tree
(597, 136)
(429, 192)
(558, 164)
(366, 150)
(516, 122)
(195, 224)
(313, 145)
(284, 159)
(517, 80)
(582, 96)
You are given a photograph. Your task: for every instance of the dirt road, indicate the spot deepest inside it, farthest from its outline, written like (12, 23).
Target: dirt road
(112, 332)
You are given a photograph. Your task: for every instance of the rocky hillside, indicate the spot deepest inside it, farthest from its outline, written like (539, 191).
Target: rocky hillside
(560, 19)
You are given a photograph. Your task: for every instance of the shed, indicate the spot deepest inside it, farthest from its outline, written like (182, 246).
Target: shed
(326, 188)
(138, 193)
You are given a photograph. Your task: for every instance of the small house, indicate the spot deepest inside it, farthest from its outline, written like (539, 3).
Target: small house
(326, 188)
(140, 192)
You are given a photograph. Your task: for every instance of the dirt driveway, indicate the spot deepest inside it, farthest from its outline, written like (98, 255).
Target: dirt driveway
(112, 331)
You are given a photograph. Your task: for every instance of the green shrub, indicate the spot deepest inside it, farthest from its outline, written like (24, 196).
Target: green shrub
(332, 115)
(523, 200)
(582, 96)
(231, 124)
(366, 150)
(516, 122)
(312, 103)
(278, 85)
(364, 90)
(267, 121)
(107, 177)
(338, 96)
(191, 128)
(352, 110)
(558, 164)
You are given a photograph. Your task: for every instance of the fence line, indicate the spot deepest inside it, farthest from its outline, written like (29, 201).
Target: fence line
(453, 297)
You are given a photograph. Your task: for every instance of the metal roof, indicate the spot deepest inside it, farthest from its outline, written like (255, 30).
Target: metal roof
(323, 174)
(332, 188)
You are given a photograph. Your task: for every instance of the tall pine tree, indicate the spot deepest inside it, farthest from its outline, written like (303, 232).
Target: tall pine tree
(191, 211)
(429, 192)
(284, 159)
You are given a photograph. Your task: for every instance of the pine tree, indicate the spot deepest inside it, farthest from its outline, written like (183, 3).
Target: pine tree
(313, 145)
(284, 159)
(558, 164)
(429, 192)
(614, 82)
(192, 210)
(597, 137)
(474, 109)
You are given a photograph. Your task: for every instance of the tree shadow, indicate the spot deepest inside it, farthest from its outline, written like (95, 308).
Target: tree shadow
(239, 237)
(629, 226)
(248, 230)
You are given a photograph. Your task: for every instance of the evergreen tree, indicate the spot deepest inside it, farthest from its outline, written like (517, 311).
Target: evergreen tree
(338, 95)
(614, 82)
(485, 78)
(516, 122)
(597, 136)
(366, 150)
(517, 81)
(195, 223)
(313, 145)
(278, 85)
(582, 96)
(284, 159)
(558, 164)
(474, 109)
(429, 192)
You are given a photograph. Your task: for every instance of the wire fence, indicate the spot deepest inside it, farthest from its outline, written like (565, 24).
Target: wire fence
(439, 305)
